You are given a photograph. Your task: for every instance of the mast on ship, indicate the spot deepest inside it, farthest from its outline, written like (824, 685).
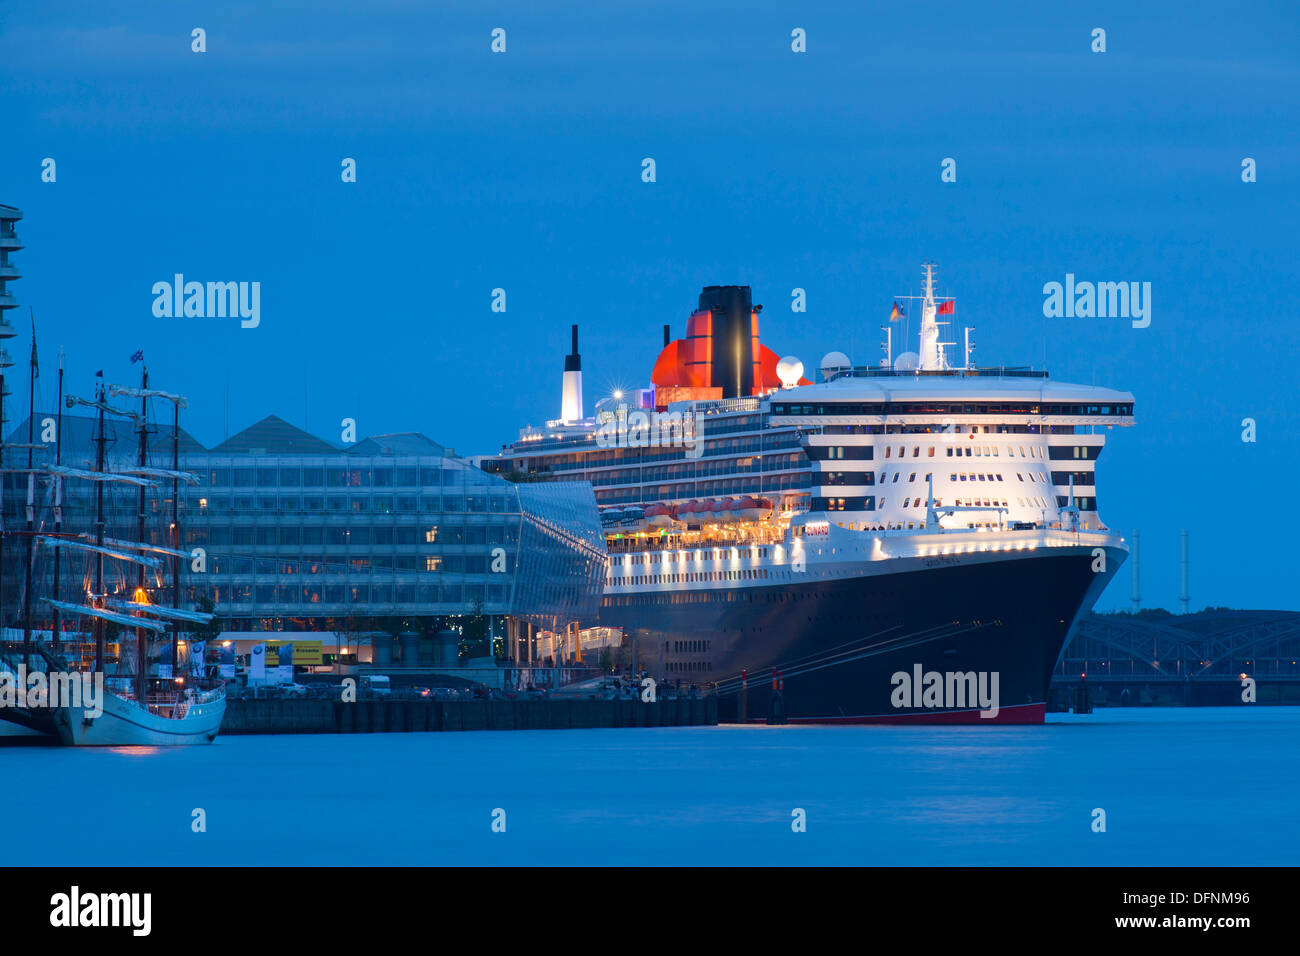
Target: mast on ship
(175, 615)
(31, 499)
(176, 528)
(98, 597)
(56, 634)
(141, 642)
(932, 354)
(191, 717)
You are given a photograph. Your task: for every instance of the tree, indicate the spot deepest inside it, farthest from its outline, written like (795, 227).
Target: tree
(212, 629)
(347, 633)
(515, 476)
(392, 624)
(473, 634)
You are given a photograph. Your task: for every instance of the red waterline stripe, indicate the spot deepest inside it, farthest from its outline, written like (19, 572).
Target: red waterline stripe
(1019, 714)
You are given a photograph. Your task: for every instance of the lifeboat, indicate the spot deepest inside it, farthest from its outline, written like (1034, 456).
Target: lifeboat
(704, 511)
(658, 516)
(686, 511)
(747, 509)
(766, 509)
(725, 510)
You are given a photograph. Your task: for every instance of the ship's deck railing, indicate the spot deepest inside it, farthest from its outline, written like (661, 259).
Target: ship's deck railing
(744, 535)
(926, 542)
(989, 371)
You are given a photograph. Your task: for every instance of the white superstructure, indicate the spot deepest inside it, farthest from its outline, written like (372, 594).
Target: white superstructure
(997, 449)
(913, 444)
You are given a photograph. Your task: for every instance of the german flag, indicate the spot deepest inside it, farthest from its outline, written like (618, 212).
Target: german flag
(896, 313)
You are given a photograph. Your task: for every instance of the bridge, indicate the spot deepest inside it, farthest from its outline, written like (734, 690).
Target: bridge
(1202, 658)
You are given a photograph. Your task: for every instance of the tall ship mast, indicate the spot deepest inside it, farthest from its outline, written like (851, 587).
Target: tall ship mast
(903, 542)
(100, 690)
(145, 698)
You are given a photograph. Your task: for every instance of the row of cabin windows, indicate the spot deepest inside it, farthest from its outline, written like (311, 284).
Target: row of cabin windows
(1030, 502)
(692, 647)
(865, 503)
(841, 452)
(865, 452)
(743, 574)
(1040, 476)
(708, 596)
(949, 408)
(968, 451)
(833, 478)
(708, 554)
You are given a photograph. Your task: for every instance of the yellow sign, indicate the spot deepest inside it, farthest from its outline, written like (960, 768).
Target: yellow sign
(306, 653)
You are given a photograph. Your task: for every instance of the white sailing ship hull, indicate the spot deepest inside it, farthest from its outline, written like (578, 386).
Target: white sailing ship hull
(124, 723)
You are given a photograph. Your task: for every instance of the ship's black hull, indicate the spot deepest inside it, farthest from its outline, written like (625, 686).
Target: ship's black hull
(838, 644)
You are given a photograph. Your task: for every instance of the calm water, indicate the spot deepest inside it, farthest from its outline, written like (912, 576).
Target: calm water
(1194, 786)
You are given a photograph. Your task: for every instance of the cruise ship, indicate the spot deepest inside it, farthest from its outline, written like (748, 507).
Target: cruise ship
(907, 542)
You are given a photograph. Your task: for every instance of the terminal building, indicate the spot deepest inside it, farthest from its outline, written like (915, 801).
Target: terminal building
(391, 550)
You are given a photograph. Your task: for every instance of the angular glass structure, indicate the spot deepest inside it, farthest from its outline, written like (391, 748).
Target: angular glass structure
(293, 534)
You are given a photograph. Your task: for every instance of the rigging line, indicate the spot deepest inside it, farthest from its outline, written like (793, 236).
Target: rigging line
(874, 653)
(835, 647)
(860, 657)
(799, 665)
(812, 659)
(921, 637)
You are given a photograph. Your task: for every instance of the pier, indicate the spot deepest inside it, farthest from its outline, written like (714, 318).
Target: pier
(415, 716)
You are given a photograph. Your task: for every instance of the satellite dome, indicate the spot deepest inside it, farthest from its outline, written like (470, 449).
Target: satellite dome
(907, 362)
(789, 370)
(833, 362)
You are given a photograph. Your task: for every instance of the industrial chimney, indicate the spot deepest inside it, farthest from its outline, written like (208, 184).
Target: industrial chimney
(571, 403)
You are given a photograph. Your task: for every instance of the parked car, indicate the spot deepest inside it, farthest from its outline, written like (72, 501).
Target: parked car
(293, 691)
(377, 685)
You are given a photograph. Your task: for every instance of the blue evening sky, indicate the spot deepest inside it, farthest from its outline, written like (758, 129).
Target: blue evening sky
(781, 170)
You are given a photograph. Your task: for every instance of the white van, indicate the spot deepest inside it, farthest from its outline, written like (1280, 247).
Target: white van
(377, 684)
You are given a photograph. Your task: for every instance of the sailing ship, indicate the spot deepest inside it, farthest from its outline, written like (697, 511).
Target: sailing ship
(139, 703)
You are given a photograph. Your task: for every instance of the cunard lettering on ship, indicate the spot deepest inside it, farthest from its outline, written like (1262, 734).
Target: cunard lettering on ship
(212, 300)
(950, 690)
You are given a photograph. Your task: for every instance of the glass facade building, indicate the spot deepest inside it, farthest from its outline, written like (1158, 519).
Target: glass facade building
(289, 534)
